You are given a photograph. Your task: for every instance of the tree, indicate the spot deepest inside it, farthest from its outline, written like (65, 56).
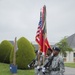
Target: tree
(5, 49)
(63, 45)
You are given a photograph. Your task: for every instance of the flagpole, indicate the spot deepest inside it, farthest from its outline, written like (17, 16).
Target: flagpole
(44, 31)
(39, 56)
(43, 58)
(14, 54)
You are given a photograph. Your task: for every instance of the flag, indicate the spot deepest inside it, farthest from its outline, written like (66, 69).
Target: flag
(44, 29)
(41, 35)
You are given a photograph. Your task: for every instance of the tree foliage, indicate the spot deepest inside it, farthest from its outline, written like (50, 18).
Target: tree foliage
(63, 45)
(5, 49)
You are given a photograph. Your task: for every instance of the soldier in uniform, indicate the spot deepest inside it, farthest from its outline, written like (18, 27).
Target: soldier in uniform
(45, 71)
(54, 63)
(38, 63)
(57, 65)
(34, 63)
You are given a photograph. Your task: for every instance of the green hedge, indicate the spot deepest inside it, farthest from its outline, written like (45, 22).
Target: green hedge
(5, 49)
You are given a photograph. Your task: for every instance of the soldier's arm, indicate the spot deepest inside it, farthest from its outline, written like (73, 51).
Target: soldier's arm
(61, 65)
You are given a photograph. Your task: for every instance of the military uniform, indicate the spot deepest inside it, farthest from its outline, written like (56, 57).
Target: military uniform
(57, 66)
(35, 67)
(45, 70)
(38, 66)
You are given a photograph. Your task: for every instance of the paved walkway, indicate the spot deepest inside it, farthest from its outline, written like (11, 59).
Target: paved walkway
(69, 71)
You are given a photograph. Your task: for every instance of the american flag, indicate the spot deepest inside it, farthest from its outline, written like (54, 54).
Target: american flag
(41, 35)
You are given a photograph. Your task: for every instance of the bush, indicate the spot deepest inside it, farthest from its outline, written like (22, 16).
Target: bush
(11, 55)
(25, 53)
(5, 49)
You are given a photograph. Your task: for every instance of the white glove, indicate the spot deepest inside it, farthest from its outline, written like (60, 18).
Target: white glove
(43, 69)
(38, 67)
(28, 66)
(51, 54)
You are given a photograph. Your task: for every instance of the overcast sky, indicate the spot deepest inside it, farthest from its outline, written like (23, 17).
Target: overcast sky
(20, 18)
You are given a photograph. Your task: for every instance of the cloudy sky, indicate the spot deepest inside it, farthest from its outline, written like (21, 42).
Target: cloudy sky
(20, 18)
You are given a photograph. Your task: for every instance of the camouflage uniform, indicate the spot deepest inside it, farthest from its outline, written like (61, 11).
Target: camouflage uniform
(37, 67)
(45, 70)
(57, 66)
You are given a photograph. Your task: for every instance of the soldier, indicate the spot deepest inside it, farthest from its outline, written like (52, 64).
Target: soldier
(49, 51)
(33, 62)
(45, 69)
(38, 63)
(54, 65)
(57, 65)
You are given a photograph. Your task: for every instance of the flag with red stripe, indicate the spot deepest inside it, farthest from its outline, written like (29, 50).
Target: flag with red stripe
(41, 35)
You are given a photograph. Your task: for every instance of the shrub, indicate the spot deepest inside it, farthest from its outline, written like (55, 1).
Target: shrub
(25, 53)
(11, 55)
(5, 49)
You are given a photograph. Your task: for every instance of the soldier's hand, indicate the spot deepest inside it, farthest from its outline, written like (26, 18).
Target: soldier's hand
(43, 70)
(28, 66)
(38, 67)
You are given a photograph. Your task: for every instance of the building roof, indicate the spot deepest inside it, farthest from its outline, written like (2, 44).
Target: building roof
(12, 42)
(37, 46)
(71, 41)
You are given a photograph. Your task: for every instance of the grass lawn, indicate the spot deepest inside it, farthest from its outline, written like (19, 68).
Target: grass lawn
(4, 70)
(70, 65)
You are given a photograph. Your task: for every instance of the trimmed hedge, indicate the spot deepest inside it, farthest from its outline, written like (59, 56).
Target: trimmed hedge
(11, 55)
(5, 49)
(25, 53)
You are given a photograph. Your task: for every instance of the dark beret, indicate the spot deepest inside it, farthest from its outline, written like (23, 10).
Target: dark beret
(56, 48)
